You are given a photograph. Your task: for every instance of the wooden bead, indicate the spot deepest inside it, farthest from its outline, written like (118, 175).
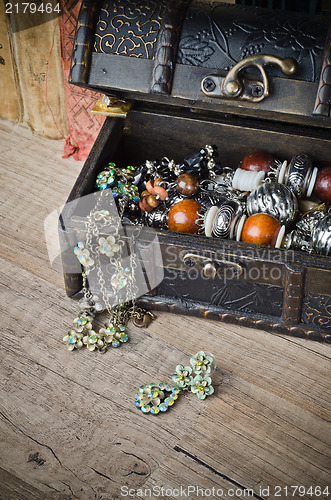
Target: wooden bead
(183, 215)
(187, 184)
(258, 161)
(322, 187)
(144, 205)
(160, 192)
(260, 229)
(152, 201)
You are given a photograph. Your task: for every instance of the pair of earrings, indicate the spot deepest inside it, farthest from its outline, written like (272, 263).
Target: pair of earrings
(155, 398)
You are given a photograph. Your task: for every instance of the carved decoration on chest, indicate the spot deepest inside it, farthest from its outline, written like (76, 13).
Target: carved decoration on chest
(129, 28)
(220, 35)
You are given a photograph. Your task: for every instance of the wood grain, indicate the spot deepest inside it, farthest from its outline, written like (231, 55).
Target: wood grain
(69, 426)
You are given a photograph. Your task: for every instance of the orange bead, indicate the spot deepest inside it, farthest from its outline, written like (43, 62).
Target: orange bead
(260, 229)
(183, 215)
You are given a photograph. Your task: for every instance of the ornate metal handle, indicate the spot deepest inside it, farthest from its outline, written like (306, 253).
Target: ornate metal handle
(232, 86)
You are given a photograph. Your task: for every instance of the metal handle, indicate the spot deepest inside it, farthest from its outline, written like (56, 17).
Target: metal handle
(232, 86)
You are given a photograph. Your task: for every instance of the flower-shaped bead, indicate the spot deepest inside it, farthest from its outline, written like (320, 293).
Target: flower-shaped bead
(73, 340)
(93, 341)
(201, 386)
(83, 255)
(83, 322)
(156, 398)
(150, 394)
(201, 363)
(106, 177)
(108, 246)
(113, 335)
(182, 377)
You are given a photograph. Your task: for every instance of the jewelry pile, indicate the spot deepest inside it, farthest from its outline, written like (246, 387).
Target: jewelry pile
(264, 201)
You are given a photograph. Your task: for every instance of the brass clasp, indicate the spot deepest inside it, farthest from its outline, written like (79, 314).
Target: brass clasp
(234, 87)
(111, 106)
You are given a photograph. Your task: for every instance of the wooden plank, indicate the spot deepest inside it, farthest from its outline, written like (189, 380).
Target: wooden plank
(33, 168)
(251, 429)
(68, 422)
(13, 488)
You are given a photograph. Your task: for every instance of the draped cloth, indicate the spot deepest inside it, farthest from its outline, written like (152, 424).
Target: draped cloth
(83, 126)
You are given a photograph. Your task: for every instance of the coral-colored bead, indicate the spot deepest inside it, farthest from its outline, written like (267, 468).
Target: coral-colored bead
(258, 161)
(260, 229)
(322, 187)
(187, 184)
(183, 215)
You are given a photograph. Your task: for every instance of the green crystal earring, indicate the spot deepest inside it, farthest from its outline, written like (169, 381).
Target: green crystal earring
(155, 398)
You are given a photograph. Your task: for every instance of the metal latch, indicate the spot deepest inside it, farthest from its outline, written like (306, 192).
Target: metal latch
(234, 87)
(212, 267)
(111, 106)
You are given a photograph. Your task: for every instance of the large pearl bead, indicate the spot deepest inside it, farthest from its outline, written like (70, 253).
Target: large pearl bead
(187, 184)
(322, 187)
(183, 215)
(260, 229)
(258, 161)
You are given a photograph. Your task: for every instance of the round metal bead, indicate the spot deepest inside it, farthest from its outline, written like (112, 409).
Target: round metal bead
(224, 218)
(274, 199)
(321, 237)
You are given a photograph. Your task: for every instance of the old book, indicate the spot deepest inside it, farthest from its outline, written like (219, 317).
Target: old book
(10, 104)
(40, 77)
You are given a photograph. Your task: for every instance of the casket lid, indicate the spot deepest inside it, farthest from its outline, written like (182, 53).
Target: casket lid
(179, 52)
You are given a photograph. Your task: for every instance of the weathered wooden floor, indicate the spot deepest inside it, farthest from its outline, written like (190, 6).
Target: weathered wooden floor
(69, 427)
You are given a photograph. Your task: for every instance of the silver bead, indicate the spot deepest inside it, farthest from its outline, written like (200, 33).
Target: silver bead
(321, 237)
(157, 218)
(298, 174)
(274, 199)
(301, 237)
(224, 218)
